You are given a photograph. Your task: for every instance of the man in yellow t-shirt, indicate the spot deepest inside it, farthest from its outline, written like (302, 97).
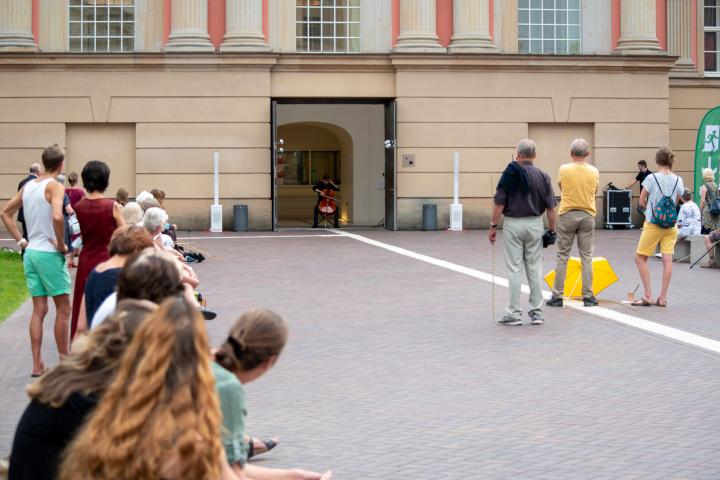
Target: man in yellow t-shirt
(578, 182)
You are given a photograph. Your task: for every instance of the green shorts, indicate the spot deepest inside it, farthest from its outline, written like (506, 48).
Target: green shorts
(46, 273)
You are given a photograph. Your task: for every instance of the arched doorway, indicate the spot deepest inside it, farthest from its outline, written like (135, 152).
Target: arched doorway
(311, 150)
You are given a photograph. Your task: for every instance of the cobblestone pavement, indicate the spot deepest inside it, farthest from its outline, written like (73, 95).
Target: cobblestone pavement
(395, 369)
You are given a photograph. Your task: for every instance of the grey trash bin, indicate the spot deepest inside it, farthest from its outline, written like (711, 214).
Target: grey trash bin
(240, 218)
(429, 216)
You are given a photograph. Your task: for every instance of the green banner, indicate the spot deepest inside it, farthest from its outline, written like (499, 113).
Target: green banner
(707, 148)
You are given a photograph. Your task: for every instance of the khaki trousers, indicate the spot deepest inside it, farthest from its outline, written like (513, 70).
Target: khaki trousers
(523, 248)
(581, 225)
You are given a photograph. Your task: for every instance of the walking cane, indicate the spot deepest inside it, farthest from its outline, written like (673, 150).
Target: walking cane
(492, 284)
(703, 255)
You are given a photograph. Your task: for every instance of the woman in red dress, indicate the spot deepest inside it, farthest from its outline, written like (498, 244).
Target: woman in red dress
(98, 218)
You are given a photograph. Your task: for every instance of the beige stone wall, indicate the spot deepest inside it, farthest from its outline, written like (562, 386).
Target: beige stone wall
(179, 109)
(485, 113)
(175, 120)
(689, 102)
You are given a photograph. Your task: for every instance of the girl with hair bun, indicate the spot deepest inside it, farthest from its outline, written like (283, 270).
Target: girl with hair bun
(251, 349)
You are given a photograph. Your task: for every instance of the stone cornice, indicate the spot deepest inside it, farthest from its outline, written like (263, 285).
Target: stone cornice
(335, 63)
(543, 63)
(136, 61)
(707, 82)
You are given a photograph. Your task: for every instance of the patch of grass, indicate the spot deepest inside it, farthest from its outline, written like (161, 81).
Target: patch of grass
(13, 291)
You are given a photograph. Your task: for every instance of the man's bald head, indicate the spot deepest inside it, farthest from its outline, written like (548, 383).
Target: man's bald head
(36, 169)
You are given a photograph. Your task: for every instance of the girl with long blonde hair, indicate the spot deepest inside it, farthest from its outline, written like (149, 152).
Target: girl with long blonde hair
(63, 397)
(160, 418)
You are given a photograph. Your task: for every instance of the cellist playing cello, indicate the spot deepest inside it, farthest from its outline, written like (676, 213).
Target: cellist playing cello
(330, 206)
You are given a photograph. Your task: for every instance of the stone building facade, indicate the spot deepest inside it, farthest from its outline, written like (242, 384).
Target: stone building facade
(154, 87)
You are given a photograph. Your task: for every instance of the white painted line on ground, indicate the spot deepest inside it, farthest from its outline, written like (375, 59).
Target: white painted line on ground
(249, 237)
(252, 237)
(629, 320)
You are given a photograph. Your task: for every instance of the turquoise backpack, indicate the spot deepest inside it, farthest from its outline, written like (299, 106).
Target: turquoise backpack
(664, 214)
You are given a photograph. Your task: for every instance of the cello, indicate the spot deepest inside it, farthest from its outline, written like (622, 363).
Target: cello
(328, 204)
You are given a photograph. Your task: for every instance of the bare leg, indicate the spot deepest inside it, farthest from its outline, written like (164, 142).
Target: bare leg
(667, 274)
(642, 266)
(62, 315)
(708, 246)
(39, 311)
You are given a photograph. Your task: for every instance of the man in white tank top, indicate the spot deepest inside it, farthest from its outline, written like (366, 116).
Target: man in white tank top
(46, 273)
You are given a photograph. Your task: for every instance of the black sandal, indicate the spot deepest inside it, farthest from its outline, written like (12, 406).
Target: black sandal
(269, 445)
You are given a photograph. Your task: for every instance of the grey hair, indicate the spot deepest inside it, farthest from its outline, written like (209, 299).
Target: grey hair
(579, 148)
(143, 196)
(526, 148)
(687, 195)
(154, 217)
(149, 203)
(60, 178)
(36, 169)
(132, 213)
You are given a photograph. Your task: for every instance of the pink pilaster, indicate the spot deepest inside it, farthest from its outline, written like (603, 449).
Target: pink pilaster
(36, 20)
(661, 23)
(615, 23)
(395, 21)
(694, 34)
(266, 20)
(492, 19)
(216, 21)
(444, 21)
(167, 20)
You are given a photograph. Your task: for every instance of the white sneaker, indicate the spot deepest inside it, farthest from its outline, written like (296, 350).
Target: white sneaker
(536, 319)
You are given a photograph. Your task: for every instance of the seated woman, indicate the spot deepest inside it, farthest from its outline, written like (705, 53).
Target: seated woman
(689, 218)
(132, 214)
(251, 349)
(121, 196)
(159, 418)
(63, 397)
(103, 279)
(152, 275)
(143, 197)
(154, 221)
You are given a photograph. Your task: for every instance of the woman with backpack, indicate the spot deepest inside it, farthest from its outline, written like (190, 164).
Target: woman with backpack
(661, 192)
(708, 194)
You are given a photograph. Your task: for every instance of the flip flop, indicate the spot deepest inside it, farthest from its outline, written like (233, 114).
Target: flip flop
(658, 303)
(640, 302)
(36, 375)
(269, 445)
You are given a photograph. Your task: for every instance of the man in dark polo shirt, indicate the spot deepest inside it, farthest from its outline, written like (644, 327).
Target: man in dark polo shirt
(643, 173)
(522, 205)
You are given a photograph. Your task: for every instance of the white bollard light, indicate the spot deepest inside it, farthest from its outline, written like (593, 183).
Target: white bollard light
(456, 207)
(216, 208)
